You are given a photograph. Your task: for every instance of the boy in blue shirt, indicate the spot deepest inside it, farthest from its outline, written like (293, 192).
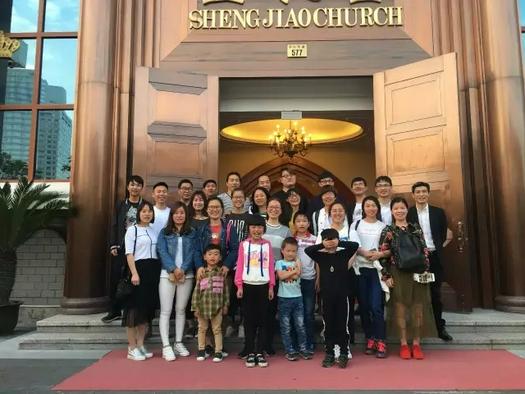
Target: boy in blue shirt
(290, 301)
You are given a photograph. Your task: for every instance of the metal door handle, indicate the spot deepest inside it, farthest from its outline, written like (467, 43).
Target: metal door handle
(461, 237)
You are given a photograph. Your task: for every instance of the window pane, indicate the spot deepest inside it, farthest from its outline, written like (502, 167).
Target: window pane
(58, 71)
(61, 15)
(21, 16)
(53, 148)
(17, 75)
(15, 127)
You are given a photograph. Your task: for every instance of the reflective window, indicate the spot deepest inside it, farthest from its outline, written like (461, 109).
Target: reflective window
(15, 129)
(521, 6)
(58, 70)
(21, 17)
(17, 74)
(61, 15)
(53, 150)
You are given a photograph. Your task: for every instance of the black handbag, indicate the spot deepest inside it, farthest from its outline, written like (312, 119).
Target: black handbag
(411, 255)
(124, 285)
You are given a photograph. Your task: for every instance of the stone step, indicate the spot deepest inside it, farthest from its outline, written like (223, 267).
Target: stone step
(93, 341)
(480, 321)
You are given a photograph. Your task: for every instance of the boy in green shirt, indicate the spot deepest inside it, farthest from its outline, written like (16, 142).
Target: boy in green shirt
(210, 302)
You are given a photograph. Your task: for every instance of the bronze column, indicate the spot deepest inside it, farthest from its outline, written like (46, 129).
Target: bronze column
(506, 102)
(85, 279)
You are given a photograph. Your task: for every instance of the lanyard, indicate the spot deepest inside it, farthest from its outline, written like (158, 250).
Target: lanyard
(260, 258)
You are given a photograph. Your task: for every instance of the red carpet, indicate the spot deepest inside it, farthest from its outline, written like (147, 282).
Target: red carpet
(441, 370)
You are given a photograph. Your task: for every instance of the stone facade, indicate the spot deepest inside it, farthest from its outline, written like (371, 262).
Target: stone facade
(40, 270)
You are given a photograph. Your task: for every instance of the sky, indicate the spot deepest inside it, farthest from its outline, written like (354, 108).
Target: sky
(59, 58)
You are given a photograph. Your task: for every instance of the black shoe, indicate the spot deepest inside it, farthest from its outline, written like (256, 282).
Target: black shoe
(250, 361)
(444, 335)
(242, 354)
(342, 361)
(261, 361)
(210, 351)
(292, 356)
(307, 355)
(111, 316)
(217, 357)
(329, 360)
(201, 355)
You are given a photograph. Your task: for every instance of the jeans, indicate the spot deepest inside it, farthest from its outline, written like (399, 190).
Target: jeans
(371, 304)
(291, 309)
(308, 292)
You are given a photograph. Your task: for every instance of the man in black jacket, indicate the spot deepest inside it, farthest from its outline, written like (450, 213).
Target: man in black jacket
(433, 222)
(125, 216)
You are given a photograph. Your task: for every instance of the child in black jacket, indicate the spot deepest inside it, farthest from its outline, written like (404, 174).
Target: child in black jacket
(333, 258)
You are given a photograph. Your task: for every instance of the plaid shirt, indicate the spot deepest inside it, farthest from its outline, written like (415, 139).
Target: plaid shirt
(211, 294)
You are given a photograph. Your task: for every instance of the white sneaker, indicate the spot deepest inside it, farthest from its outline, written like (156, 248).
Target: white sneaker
(181, 350)
(167, 353)
(135, 355)
(146, 354)
(241, 331)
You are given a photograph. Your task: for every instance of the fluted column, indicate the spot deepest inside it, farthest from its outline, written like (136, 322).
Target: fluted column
(85, 280)
(506, 103)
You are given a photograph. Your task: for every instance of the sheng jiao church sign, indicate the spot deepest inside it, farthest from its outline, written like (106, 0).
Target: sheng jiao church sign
(293, 18)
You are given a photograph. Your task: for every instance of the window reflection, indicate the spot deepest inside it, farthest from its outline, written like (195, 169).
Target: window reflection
(53, 151)
(15, 128)
(57, 83)
(17, 75)
(61, 15)
(521, 6)
(20, 17)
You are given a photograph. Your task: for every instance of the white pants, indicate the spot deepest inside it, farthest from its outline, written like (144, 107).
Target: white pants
(167, 291)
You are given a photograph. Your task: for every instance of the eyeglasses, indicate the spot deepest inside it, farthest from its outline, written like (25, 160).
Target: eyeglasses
(214, 207)
(186, 188)
(383, 185)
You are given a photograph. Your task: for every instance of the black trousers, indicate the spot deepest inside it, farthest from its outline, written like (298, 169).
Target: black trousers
(435, 290)
(119, 266)
(335, 318)
(255, 305)
(270, 323)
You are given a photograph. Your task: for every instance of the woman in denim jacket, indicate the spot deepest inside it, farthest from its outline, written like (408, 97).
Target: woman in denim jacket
(178, 249)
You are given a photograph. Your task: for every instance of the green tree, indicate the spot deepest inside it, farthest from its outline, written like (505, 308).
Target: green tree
(24, 211)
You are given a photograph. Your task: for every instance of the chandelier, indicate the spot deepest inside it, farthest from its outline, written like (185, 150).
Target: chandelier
(290, 141)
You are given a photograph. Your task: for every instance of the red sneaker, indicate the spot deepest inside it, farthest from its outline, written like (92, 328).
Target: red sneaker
(381, 349)
(404, 352)
(370, 347)
(417, 352)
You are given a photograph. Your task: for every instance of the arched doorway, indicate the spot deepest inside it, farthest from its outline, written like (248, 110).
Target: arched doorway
(307, 176)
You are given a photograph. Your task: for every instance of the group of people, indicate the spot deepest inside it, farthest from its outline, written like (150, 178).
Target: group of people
(236, 261)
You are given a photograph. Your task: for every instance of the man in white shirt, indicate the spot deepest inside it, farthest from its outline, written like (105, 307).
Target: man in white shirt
(233, 181)
(383, 187)
(359, 188)
(161, 209)
(433, 222)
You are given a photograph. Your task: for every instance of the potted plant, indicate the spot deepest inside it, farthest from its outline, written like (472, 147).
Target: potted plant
(23, 212)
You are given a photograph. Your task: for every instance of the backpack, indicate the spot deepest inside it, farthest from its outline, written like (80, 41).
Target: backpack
(410, 252)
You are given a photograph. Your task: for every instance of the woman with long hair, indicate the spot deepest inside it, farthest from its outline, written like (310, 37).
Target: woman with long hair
(259, 198)
(409, 309)
(196, 209)
(366, 232)
(178, 248)
(141, 254)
